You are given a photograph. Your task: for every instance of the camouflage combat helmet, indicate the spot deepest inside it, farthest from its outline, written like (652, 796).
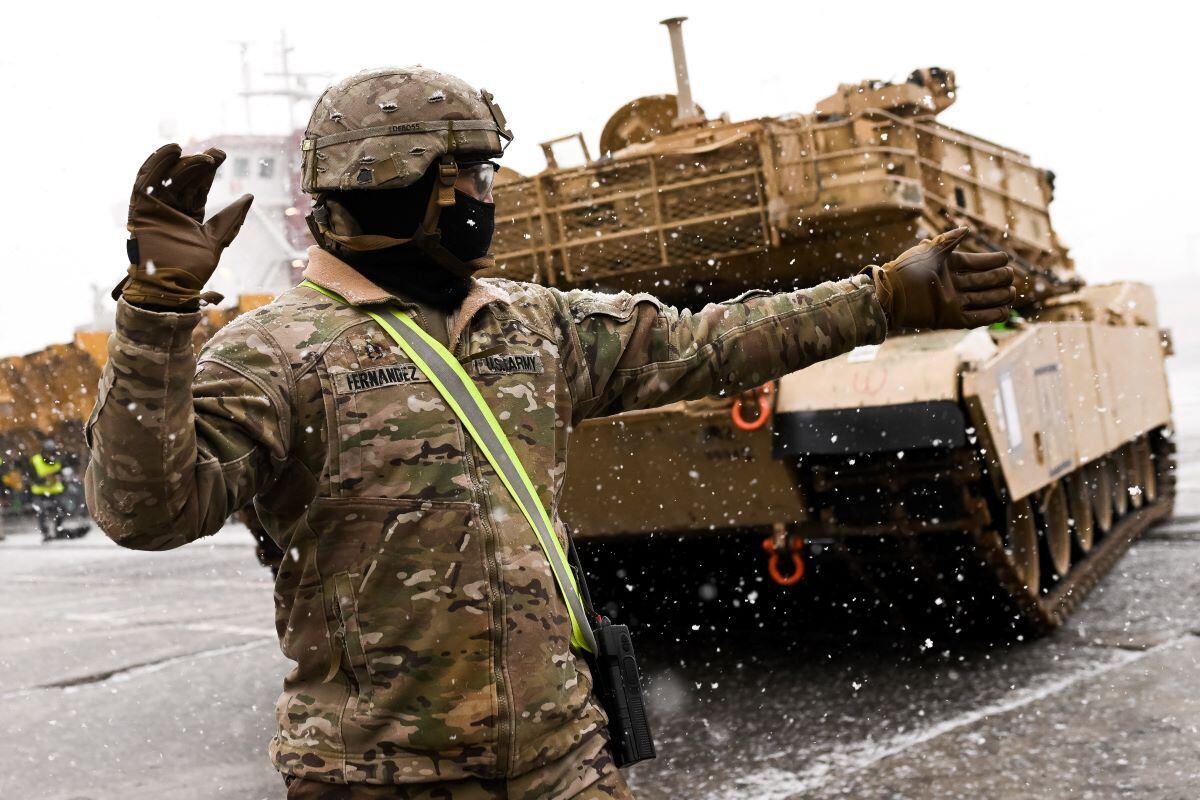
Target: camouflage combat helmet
(384, 129)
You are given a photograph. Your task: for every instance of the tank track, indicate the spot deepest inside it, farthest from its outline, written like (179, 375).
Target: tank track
(925, 532)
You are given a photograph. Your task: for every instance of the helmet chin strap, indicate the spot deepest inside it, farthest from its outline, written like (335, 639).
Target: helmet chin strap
(427, 238)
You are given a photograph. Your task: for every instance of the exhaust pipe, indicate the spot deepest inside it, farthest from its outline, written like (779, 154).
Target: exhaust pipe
(686, 111)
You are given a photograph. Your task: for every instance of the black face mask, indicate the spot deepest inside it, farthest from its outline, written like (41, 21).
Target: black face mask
(467, 227)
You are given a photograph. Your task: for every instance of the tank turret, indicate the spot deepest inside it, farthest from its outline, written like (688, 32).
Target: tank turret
(700, 209)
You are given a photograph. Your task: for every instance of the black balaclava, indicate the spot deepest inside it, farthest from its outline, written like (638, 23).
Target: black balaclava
(466, 227)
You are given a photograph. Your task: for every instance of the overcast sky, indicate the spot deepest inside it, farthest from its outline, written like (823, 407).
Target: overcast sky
(1105, 96)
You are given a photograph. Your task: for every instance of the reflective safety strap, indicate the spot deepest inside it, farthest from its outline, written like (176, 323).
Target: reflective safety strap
(457, 389)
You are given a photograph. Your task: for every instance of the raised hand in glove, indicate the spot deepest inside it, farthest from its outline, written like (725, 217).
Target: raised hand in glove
(933, 286)
(172, 250)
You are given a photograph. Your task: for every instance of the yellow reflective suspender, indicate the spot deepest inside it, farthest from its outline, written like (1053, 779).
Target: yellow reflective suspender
(45, 470)
(459, 391)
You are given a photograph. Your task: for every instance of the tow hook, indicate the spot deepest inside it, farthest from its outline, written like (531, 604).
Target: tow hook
(783, 542)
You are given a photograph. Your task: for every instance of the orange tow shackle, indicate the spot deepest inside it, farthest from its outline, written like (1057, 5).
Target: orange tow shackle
(791, 544)
(760, 396)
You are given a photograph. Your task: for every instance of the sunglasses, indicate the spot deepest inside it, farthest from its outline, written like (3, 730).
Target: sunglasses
(477, 179)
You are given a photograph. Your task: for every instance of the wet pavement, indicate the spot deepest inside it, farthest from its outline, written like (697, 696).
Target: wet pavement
(146, 675)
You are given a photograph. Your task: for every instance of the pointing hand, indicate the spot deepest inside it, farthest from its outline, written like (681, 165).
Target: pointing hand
(934, 286)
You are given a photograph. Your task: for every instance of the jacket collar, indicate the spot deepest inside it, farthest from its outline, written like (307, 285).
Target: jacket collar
(330, 272)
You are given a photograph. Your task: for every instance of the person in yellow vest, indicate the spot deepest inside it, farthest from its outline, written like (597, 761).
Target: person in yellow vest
(46, 485)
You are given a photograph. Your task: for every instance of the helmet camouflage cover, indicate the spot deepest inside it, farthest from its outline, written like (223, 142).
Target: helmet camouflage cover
(384, 128)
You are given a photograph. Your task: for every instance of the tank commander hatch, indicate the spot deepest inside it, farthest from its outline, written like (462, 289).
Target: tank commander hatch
(432, 651)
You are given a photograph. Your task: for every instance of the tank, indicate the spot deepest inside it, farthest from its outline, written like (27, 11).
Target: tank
(1003, 469)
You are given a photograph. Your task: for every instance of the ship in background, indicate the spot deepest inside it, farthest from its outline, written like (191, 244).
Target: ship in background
(270, 253)
(271, 245)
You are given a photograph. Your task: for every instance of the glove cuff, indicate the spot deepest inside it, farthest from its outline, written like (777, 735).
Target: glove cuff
(883, 290)
(166, 287)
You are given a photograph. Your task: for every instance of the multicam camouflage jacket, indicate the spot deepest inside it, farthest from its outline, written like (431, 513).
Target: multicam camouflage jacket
(428, 638)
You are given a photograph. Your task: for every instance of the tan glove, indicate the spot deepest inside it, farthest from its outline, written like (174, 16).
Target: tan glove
(172, 251)
(932, 286)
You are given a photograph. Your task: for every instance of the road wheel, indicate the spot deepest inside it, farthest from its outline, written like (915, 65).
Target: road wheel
(1133, 475)
(1119, 479)
(1054, 525)
(1146, 470)
(1100, 487)
(1082, 520)
(1021, 544)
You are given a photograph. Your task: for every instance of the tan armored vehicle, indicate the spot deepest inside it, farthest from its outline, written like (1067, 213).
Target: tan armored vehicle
(1024, 458)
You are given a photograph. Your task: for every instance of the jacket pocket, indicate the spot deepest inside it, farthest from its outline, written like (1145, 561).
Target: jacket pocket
(106, 382)
(618, 307)
(408, 604)
(349, 634)
(396, 437)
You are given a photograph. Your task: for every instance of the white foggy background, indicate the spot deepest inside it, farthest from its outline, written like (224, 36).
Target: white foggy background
(1102, 94)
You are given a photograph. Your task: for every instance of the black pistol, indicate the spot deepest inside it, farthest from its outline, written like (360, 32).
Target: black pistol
(619, 689)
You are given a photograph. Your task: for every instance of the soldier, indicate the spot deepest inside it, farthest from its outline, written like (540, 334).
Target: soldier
(432, 651)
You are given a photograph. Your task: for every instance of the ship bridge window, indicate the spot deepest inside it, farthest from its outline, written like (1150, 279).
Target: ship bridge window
(266, 167)
(960, 197)
(241, 168)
